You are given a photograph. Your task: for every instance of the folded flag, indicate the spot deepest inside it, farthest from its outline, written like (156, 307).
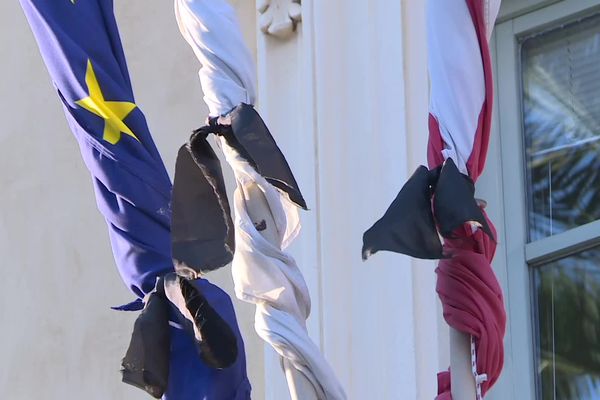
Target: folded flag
(80, 44)
(441, 198)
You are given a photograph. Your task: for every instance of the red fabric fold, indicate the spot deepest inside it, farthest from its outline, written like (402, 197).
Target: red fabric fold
(444, 386)
(472, 302)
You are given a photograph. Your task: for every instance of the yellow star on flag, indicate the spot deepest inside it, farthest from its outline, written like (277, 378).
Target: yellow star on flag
(113, 112)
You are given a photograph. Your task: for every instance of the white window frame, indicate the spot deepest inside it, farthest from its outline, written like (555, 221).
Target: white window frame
(516, 256)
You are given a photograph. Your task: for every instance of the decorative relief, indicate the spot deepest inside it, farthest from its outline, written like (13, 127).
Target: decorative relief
(279, 17)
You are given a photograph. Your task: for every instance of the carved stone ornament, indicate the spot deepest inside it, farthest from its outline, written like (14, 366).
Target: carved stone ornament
(279, 17)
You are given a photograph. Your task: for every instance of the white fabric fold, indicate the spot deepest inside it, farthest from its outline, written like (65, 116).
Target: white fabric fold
(228, 74)
(456, 77)
(456, 74)
(262, 271)
(492, 9)
(289, 340)
(264, 274)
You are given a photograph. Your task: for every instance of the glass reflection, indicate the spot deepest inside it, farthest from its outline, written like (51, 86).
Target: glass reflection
(561, 111)
(567, 295)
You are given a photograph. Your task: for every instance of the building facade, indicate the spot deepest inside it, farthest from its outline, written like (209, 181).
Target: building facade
(343, 87)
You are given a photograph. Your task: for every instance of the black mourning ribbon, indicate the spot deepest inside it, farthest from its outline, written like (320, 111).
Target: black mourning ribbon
(202, 233)
(202, 229)
(431, 201)
(247, 133)
(146, 363)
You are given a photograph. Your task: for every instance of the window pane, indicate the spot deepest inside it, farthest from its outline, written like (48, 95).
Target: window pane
(561, 111)
(568, 325)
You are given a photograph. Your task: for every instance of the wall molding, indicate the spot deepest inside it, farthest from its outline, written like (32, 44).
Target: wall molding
(279, 18)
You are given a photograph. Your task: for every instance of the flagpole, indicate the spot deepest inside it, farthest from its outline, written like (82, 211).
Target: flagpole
(258, 210)
(462, 379)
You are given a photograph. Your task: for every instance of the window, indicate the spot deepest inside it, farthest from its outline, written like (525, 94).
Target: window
(561, 126)
(567, 303)
(548, 112)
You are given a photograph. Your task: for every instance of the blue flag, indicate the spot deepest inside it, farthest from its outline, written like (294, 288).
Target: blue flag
(80, 44)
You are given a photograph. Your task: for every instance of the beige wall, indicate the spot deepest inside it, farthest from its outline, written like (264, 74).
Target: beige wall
(58, 337)
(346, 98)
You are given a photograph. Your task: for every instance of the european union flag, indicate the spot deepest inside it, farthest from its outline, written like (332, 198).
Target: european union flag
(80, 45)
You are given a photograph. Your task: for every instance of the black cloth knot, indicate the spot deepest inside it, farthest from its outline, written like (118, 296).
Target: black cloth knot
(431, 203)
(146, 363)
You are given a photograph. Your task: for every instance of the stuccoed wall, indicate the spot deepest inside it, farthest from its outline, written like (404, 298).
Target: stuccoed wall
(346, 98)
(58, 337)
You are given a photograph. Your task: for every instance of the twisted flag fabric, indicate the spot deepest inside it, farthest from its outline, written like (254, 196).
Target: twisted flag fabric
(80, 44)
(266, 199)
(439, 200)
(459, 128)
(264, 274)
(228, 74)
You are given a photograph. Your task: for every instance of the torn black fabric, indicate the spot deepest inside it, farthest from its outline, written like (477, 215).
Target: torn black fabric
(202, 232)
(454, 202)
(246, 132)
(438, 200)
(146, 363)
(218, 345)
(407, 226)
(252, 135)
(215, 341)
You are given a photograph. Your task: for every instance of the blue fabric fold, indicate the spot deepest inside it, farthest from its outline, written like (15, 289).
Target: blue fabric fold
(188, 374)
(136, 305)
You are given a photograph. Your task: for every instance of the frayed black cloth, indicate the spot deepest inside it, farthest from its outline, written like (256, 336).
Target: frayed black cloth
(431, 201)
(202, 232)
(454, 202)
(247, 133)
(218, 345)
(407, 226)
(146, 362)
(203, 236)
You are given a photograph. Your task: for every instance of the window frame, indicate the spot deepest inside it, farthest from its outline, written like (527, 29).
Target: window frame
(520, 255)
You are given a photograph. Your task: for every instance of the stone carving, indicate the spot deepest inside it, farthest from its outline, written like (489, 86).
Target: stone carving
(279, 17)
